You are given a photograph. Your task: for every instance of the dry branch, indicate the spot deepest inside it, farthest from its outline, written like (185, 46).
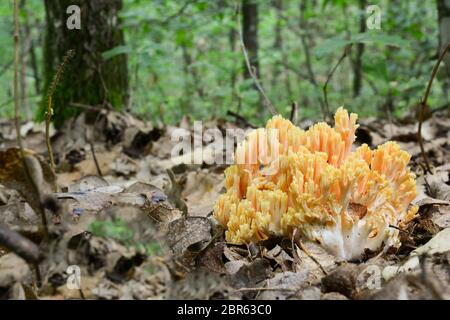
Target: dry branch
(330, 75)
(423, 104)
(20, 245)
(251, 70)
(49, 112)
(28, 171)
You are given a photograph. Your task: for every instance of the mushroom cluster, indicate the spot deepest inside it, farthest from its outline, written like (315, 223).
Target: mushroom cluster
(286, 179)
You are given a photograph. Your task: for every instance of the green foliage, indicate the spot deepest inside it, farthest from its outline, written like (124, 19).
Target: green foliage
(116, 51)
(114, 229)
(184, 57)
(338, 43)
(118, 230)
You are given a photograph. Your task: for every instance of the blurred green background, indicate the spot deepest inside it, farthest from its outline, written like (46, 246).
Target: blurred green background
(184, 57)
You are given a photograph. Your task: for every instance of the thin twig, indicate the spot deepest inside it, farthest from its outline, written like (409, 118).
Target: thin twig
(312, 257)
(49, 112)
(15, 242)
(80, 291)
(399, 229)
(330, 75)
(251, 69)
(97, 166)
(16, 74)
(37, 272)
(423, 104)
(293, 115)
(17, 117)
(241, 119)
(24, 248)
(309, 67)
(265, 289)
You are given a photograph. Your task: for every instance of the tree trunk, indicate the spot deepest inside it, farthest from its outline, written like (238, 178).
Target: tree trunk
(443, 7)
(87, 78)
(357, 79)
(250, 35)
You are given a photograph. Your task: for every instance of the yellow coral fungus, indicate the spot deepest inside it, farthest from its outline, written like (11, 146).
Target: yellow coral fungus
(287, 179)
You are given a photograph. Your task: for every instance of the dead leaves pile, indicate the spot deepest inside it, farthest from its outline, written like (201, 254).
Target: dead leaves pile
(138, 223)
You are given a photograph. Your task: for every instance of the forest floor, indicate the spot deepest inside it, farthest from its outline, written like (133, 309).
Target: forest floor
(135, 231)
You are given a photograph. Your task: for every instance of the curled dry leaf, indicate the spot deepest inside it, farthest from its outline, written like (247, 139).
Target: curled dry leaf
(147, 197)
(439, 244)
(199, 284)
(87, 183)
(211, 258)
(315, 259)
(20, 217)
(246, 276)
(201, 190)
(12, 269)
(281, 257)
(14, 176)
(190, 234)
(283, 285)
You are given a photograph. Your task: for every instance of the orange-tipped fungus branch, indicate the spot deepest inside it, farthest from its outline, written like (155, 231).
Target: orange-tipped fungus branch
(312, 181)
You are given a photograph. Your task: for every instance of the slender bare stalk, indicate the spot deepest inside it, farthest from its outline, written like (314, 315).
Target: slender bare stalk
(23, 247)
(308, 61)
(17, 115)
(16, 73)
(19, 137)
(49, 112)
(423, 104)
(309, 254)
(293, 116)
(48, 120)
(330, 75)
(94, 157)
(251, 70)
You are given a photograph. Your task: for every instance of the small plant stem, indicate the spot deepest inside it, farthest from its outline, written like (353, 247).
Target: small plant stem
(330, 75)
(17, 115)
(423, 104)
(49, 112)
(251, 70)
(48, 120)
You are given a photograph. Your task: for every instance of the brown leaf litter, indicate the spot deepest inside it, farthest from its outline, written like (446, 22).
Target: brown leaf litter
(127, 233)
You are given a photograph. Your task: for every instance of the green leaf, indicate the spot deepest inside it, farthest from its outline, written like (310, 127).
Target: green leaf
(182, 37)
(338, 44)
(116, 51)
(380, 39)
(329, 46)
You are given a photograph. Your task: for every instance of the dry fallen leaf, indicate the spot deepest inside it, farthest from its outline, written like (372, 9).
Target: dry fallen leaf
(190, 234)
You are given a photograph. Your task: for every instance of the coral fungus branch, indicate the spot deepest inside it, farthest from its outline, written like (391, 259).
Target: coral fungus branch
(312, 181)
